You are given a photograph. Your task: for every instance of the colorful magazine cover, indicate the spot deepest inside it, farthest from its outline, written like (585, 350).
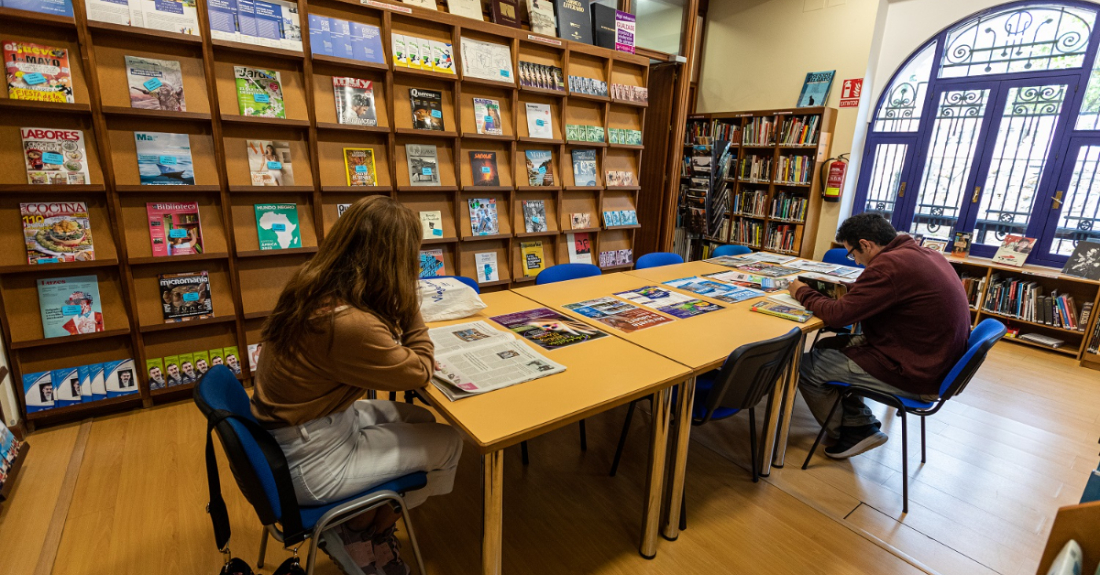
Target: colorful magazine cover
(579, 247)
(354, 101)
(55, 156)
(483, 168)
(269, 163)
(259, 92)
(66, 386)
(487, 116)
(185, 296)
(623, 316)
(427, 109)
(715, 290)
(57, 232)
(359, 167)
(70, 306)
(155, 84)
(483, 217)
(584, 167)
(164, 159)
(37, 391)
(431, 263)
(119, 378)
(485, 264)
(37, 72)
(767, 269)
(174, 228)
(534, 259)
(277, 226)
(540, 167)
(669, 302)
(548, 328)
(580, 221)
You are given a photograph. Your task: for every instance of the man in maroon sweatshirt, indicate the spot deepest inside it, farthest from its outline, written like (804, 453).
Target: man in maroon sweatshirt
(915, 321)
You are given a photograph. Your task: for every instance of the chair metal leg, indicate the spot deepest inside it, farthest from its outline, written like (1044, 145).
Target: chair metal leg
(393, 396)
(311, 559)
(263, 548)
(752, 444)
(904, 463)
(584, 438)
(821, 434)
(412, 541)
(523, 452)
(684, 509)
(622, 438)
(923, 453)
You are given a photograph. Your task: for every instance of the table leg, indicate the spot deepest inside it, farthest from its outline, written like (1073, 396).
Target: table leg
(686, 398)
(492, 535)
(771, 430)
(658, 445)
(784, 425)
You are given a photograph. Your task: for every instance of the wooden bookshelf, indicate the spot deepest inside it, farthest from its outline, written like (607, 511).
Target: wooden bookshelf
(802, 230)
(1082, 290)
(245, 281)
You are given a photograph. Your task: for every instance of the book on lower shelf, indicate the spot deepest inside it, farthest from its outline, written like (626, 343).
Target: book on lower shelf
(185, 296)
(1027, 301)
(57, 232)
(269, 163)
(55, 156)
(1045, 340)
(69, 386)
(164, 159)
(70, 306)
(277, 226)
(174, 228)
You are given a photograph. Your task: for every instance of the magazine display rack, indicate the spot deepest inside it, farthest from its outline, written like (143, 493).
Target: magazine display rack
(748, 140)
(245, 280)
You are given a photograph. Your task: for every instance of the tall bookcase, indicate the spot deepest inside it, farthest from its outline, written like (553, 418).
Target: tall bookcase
(244, 280)
(761, 138)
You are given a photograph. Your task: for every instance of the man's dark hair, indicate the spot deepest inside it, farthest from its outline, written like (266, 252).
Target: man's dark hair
(866, 226)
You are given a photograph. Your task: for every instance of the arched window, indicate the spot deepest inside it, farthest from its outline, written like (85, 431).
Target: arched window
(993, 128)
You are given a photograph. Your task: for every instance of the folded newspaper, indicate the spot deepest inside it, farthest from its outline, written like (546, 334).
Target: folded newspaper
(475, 357)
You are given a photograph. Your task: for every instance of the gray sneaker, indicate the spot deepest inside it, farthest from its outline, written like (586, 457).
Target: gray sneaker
(851, 444)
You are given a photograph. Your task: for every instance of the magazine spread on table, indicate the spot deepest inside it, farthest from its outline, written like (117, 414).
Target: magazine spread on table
(475, 357)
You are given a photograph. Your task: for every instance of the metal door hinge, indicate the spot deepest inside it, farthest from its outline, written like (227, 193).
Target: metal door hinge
(977, 192)
(1057, 200)
(901, 190)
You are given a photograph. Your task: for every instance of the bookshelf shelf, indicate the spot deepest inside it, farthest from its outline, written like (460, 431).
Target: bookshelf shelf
(349, 63)
(543, 91)
(144, 34)
(626, 146)
(581, 231)
(258, 314)
(266, 52)
(792, 184)
(538, 188)
(94, 407)
(494, 284)
(630, 103)
(176, 390)
(272, 253)
(257, 120)
(549, 142)
(51, 188)
(401, 71)
(14, 106)
(586, 144)
(432, 241)
(53, 20)
(185, 324)
(489, 83)
(153, 260)
(587, 188)
(358, 189)
(521, 280)
(538, 234)
(32, 268)
(352, 127)
(408, 189)
(624, 188)
(269, 189)
(618, 267)
(580, 96)
(1031, 323)
(158, 114)
(630, 227)
(426, 133)
(494, 137)
(140, 189)
(47, 341)
(1064, 350)
(487, 188)
(486, 238)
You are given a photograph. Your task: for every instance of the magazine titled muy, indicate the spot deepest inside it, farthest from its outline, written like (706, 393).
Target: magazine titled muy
(474, 357)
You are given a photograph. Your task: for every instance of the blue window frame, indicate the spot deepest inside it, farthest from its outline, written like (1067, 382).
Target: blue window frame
(993, 127)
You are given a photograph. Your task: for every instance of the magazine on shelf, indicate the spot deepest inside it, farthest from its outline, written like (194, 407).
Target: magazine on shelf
(66, 386)
(52, 7)
(259, 92)
(174, 228)
(359, 167)
(483, 216)
(54, 156)
(354, 101)
(584, 167)
(539, 121)
(185, 296)
(269, 163)
(533, 258)
(427, 109)
(423, 164)
(119, 378)
(57, 232)
(579, 247)
(487, 61)
(715, 290)
(474, 357)
(483, 168)
(618, 314)
(164, 159)
(37, 72)
(534, 216)
(580, 221)
(1084, 262)
(548, 328)
(37, 391)
(155, 84)
(541, 16)
(70, 306)
(1014, 250)
(431, 225)
(669, 302)
(815, 89)
(431, 263)
(540, 167)
(277, 226)
(466, 8)
(487, 116)
(178, 16)
(485, 264)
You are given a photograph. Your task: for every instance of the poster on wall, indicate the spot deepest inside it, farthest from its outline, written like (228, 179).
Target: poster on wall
(815, 90)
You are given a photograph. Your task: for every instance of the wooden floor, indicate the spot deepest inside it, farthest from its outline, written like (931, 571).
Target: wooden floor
(1001, 459)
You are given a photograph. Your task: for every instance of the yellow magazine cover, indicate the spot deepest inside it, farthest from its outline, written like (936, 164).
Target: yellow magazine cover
(534, 261)
(359, 167)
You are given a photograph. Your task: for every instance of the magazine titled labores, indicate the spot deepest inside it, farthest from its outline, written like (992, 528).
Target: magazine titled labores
(475, 357)
(185, 296)
(57, 232)
(54, 156)
(548, 328)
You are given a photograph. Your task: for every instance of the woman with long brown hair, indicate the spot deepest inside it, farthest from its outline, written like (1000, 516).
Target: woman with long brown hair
(348, 321)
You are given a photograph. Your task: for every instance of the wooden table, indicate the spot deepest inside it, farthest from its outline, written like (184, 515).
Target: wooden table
(700, 343)
(600, 375)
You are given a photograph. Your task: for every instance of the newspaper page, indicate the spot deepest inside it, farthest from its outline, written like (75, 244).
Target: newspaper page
(473, 358)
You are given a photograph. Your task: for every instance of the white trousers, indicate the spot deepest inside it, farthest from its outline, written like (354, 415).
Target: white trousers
(372, 442)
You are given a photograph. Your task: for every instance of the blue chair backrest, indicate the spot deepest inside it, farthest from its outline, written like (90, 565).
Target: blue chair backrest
(730, 250)
(658, 259)
(565, 272)
(219, 390)
(837, 257)
(750, 372)
(468, 281)
(988, 332)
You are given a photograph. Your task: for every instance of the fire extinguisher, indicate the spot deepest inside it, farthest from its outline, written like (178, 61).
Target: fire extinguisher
(832, 177)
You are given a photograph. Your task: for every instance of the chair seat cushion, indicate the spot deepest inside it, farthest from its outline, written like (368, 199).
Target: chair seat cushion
(402, 485)
(909, 404)
(703, 386)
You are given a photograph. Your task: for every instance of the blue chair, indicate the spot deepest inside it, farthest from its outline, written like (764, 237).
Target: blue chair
(747, 375)
(658, 259)
(838, 257)
(988, 332)
(262, 474)
(566, 272)
(730, 250)
(468, 281)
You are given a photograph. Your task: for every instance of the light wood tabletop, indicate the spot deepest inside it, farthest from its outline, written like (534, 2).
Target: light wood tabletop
(600, 374)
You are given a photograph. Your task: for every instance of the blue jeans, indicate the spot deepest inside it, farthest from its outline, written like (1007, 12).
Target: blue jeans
(825, 363)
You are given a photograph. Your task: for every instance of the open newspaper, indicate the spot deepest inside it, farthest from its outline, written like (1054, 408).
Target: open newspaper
(475, 357)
